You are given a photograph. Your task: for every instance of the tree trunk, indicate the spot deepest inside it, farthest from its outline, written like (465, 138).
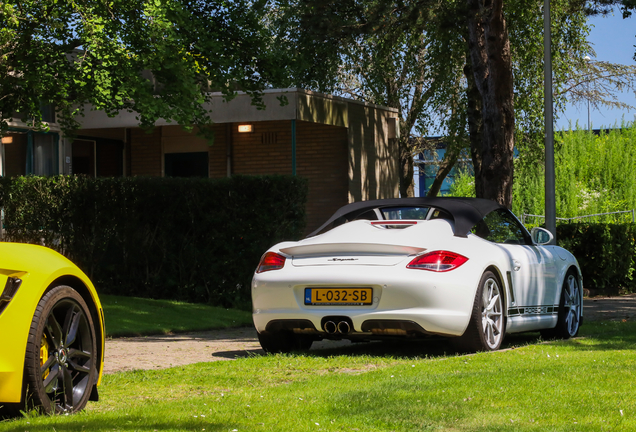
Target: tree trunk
(406, 169)
(475, 122)
(489, 55)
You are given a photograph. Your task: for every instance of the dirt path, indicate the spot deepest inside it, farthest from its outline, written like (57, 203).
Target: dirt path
(158, 352)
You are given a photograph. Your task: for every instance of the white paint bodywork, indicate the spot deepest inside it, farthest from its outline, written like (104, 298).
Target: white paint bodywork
(359, 254)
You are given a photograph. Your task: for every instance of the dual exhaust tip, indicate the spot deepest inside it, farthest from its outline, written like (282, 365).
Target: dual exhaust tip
(342, 327)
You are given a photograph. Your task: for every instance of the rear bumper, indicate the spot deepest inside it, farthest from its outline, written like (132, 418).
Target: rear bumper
(369, 329)
(405, 323)
(433, 303)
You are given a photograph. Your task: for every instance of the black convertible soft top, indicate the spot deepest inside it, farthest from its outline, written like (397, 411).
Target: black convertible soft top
(466, 212)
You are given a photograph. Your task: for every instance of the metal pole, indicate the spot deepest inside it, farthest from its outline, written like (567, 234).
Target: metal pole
(589, 120)
(30, 164)
(550, 201)
(587, 68)
(2, 158)
(228, 149)
(293, 137)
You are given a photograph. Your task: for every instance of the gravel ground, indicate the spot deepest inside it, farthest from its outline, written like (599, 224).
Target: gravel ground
(158, 352)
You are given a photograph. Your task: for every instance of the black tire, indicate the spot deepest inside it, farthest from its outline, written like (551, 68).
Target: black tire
(284, 342)
(570, 307)
(11, 410)
(486, 328)
(60, 367)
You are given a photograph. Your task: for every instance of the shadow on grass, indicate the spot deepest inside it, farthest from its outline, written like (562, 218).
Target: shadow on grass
(610, 335)
(416, 348)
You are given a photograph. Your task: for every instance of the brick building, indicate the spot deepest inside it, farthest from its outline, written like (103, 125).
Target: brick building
(345, 148)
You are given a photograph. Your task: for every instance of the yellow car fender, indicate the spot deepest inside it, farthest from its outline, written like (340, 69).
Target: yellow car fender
(40, 270)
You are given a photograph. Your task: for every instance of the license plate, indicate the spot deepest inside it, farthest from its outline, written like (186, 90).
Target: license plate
(338, 296)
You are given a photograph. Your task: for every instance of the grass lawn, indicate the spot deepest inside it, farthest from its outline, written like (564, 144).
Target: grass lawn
(586, 384)
(131, 316)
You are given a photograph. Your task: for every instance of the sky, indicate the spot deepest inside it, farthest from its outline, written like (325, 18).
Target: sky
(613, 39)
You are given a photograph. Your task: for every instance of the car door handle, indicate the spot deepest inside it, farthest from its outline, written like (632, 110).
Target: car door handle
(516, 265)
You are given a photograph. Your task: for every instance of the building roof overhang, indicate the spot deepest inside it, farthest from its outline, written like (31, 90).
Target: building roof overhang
(299, 104)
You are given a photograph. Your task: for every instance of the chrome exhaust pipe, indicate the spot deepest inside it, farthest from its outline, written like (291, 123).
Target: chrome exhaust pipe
(344, 327)
(330, 327)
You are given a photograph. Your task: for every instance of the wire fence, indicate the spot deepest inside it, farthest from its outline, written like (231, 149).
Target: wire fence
(608, 217)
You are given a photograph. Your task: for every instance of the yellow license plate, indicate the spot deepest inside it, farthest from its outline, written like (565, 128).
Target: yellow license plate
(339, 296)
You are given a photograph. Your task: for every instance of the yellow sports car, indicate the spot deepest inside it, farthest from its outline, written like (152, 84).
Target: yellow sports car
(51, 332)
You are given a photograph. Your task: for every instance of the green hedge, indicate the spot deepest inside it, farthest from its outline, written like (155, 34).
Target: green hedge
(605, 252)
(195, 240)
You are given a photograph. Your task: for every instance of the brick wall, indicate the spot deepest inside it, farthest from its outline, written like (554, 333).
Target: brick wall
(218, 152)
(342, 165)
(145, 152)
(321, 157)
(373, 157)
(266, 150)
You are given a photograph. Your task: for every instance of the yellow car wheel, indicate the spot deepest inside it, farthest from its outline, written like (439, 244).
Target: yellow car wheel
(60, 364)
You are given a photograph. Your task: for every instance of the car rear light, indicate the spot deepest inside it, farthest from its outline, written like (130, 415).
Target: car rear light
(437, 261)
(271, 261)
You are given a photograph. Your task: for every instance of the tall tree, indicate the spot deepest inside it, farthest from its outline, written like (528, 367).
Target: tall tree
(362, 49)
(157, 59)
(478, 85)
(491, 65)
(597, 82)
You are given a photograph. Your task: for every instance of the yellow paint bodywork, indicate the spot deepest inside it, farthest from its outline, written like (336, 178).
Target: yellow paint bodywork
(40, 269)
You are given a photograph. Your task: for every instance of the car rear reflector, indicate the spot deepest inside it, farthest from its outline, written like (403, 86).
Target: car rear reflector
(437, 261)
(271, 261)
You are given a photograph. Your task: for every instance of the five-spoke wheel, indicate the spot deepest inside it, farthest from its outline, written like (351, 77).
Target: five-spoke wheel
(486, 329)
(60, 363)
(570, 308)
(491, 314)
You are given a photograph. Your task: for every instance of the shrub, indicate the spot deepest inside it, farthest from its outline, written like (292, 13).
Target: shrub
(195, 240)
(593, 174)
(464, 185)
(605, 252)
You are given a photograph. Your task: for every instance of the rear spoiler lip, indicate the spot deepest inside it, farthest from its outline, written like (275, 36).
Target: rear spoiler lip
(350, 249)
(396, 222)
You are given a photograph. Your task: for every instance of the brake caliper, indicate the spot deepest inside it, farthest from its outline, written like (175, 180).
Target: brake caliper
(44, 355)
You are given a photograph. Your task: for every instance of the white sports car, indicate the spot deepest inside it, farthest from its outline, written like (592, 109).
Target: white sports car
(463, 268)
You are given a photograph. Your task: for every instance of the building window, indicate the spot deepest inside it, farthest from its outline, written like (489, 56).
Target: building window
(28, 152)
(44, 155)
(97, 157)
(428, 163)
(14, 152)
(48, 113)
(186, 164)
(83, 160)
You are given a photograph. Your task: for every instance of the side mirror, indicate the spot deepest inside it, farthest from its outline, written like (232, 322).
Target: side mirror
(541, 236)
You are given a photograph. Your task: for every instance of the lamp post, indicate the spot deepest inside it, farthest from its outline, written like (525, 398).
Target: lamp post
(587, 67)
